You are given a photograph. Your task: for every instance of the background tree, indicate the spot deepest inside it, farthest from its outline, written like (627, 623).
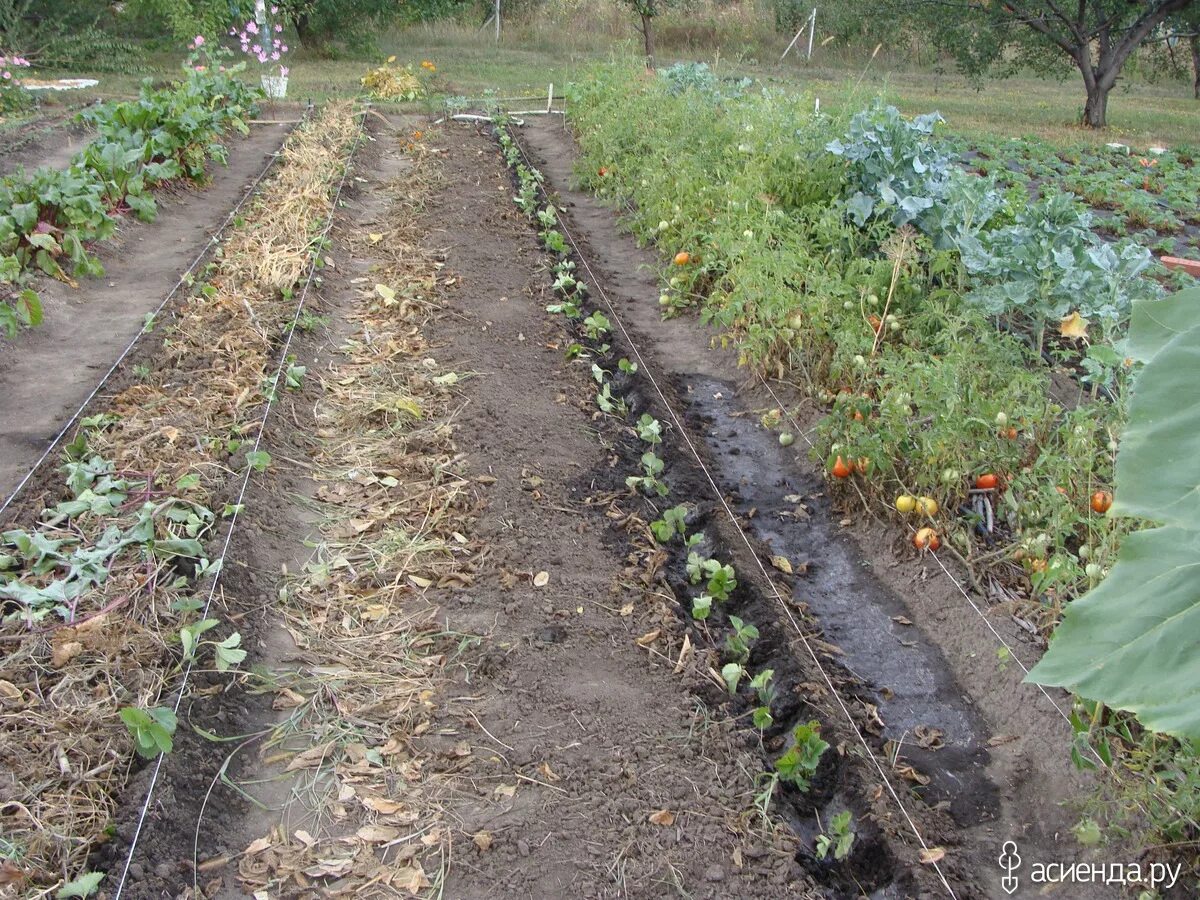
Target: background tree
(1097, 37)
(1184, 29)
(647, 11)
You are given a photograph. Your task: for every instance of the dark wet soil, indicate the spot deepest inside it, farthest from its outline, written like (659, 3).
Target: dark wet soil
(48, 371)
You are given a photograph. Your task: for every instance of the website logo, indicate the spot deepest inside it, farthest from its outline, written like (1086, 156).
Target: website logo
(1010, 861)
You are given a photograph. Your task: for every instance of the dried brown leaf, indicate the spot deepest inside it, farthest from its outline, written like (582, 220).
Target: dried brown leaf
(377, 834)
(649, 637)
(932, 855)
(382, 805)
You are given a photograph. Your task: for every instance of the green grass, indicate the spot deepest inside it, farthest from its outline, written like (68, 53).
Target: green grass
(528, 58)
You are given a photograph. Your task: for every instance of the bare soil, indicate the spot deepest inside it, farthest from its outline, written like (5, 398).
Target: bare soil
(48, 371)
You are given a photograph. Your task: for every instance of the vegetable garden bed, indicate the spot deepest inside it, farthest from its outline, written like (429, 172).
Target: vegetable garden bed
(416, 552)
(99, 590)
(970, 346)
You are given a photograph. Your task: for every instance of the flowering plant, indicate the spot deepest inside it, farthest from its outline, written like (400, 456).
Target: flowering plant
(263, 42)
(211, 73)
(12, 95)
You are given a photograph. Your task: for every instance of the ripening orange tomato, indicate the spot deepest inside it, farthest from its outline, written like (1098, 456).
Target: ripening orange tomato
(1101, 501)
(926, 539)
(682, 258)
(840, 469)
(986, 482)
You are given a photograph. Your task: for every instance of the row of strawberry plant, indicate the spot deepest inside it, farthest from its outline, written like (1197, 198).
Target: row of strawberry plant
(874, 289)
(797, 764)
(49, 219)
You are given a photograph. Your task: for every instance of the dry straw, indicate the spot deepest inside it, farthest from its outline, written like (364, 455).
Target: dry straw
(393, 514)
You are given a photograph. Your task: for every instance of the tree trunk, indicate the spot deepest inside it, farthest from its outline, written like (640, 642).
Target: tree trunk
(304, 30)
(1095, 111)
(648, 37)
(1194, 40)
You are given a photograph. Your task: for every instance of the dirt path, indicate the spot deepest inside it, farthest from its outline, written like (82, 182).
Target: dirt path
(596, 733)
(46, 372)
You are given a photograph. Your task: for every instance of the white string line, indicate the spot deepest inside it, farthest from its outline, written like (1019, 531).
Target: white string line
(213, 239)
(643, 366)
(237, 508)
(986, 621)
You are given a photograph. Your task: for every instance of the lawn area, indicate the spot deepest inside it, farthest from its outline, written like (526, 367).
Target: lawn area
(528, 59)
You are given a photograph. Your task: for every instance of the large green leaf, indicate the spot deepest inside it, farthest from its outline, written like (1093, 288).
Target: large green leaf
(1134, 641)
(1158, 467)
(1153, 323)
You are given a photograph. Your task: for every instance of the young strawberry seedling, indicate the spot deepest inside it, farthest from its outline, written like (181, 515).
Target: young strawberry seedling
(670, 524)
(732, 674)
(649, 483)
(737, 644)
(596, 326)
(799, 764)
(611, 405)
(649, 429)
(153, 729)
(840, 837)
(721, 578)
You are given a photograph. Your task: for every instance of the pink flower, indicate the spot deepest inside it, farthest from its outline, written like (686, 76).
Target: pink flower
(7, 75)
(200, 68)
(222, 68)
(252, 27)
(275, 56)
(198, 41)
(257, 48)
(274, 10)
(278, 28)
(283, 49)
(283, 70)
(262, 58)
